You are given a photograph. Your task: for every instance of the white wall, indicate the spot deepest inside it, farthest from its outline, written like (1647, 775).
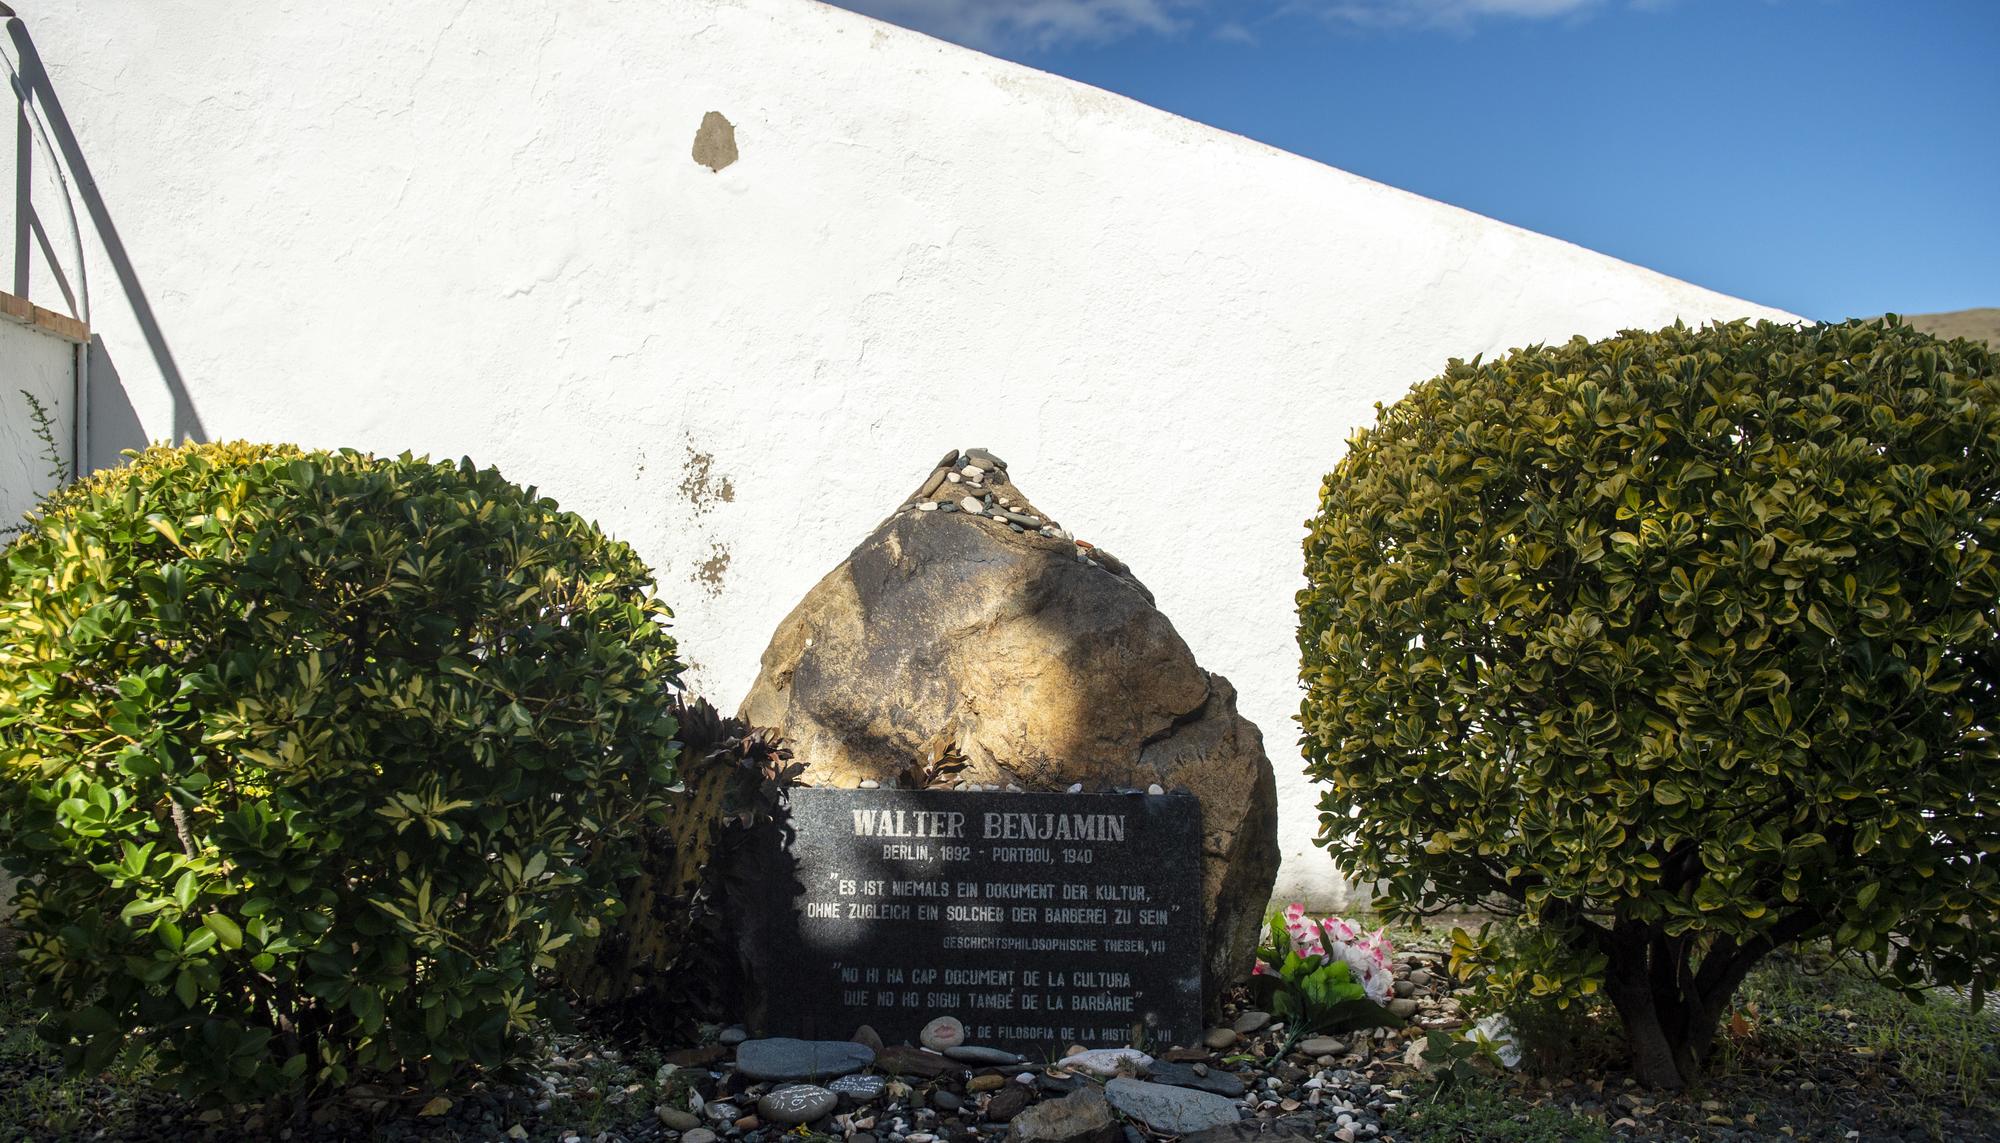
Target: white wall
(37, 362)
(477, 228)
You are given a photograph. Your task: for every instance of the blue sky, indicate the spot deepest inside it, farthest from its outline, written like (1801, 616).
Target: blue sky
(1831, 157)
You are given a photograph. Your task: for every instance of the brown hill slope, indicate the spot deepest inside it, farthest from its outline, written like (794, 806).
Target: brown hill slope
(1979, 325)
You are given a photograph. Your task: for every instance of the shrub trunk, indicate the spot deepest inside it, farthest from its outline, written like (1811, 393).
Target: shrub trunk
(1671, 1006)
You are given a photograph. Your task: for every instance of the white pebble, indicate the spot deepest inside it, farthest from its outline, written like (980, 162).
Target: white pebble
(870, 784)
(972, 505)
(1156, 788)
(1076, 788)
(955, 478)
(927, 506)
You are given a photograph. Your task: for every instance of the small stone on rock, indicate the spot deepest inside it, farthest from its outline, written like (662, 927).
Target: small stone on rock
(941, 1033)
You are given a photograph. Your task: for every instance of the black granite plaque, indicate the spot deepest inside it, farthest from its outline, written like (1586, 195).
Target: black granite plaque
(1040, 920)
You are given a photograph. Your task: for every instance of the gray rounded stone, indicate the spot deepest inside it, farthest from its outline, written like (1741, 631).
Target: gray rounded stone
(787, 1059)
(1321, 1046)
(1170, 1110)
(978, 1054)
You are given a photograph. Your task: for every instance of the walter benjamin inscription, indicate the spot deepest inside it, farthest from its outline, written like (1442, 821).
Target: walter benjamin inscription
(1039, 920)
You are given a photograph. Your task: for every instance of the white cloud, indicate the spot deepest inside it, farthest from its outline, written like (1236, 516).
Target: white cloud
(1453, 14)
(1042, 23)
(996, 24)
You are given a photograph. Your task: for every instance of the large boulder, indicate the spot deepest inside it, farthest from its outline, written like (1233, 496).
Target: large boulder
(969, 623)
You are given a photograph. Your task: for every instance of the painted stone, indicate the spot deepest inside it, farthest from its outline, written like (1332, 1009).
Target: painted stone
(942, 1034)
(801, 1103)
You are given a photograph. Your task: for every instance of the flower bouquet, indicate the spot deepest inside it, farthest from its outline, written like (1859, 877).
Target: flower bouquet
(1323, 976)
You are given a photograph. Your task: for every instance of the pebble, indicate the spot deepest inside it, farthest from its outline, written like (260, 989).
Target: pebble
(676, 1119)
(1081, 1115)
(866, 1034)
(933, 484)
(1249, 1022)
(698, 1135)
(1008, 1102)
(950, 460)
(1108, 1061)
(732, 1035)
(972, 505)
(870, 784)
(1219, 1038)
(928, 506)
(801, 1103)
(1322, 1046)
(976, 1054)
(1402, 1008)
(1156, 789)
(900, 1060)
(986, 1083)
(943, 1033)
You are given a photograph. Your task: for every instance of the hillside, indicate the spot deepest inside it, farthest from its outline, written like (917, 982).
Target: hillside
(1979, 325)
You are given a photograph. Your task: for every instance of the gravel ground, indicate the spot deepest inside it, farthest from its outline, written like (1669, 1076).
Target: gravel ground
(1804, 1071)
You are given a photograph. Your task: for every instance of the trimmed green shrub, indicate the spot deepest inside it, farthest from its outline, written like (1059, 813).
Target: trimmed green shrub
(1683, 645)
(313, 759)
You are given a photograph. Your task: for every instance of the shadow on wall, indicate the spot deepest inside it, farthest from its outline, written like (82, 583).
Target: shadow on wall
(114, 423)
